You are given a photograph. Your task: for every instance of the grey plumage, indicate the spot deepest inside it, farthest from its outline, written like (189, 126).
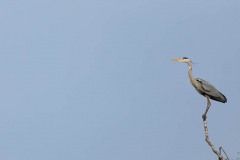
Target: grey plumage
(207, 89)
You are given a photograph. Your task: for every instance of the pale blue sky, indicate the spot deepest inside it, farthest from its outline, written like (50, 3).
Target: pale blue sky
(93, 80)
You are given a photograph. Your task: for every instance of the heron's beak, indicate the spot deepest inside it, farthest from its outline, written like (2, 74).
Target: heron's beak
(177, 59)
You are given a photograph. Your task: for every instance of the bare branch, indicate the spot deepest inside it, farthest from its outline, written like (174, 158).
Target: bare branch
(220, 157)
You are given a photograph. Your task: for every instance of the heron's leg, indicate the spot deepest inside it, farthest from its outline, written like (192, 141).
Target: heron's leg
(204, 116)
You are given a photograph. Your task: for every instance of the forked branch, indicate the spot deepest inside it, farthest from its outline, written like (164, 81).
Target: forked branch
(218, 153)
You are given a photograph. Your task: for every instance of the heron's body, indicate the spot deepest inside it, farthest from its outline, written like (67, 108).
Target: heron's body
(203, 87)
(207, 89)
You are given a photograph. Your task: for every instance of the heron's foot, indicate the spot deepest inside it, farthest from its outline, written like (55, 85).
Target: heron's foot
(204, 117)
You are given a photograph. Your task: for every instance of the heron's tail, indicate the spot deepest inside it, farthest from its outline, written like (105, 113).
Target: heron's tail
(220, 98)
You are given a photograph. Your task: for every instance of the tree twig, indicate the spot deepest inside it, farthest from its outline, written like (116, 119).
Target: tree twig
(221, 149)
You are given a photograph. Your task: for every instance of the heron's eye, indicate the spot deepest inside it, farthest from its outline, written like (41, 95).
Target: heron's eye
(184, 58)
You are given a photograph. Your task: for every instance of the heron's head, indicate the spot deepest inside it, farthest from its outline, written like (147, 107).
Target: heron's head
(183, 59)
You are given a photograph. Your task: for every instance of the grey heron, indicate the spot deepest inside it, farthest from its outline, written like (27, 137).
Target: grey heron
(203, 87)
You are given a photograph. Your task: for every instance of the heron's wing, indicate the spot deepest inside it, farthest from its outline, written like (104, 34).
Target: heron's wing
(206, 85)
(208, 89)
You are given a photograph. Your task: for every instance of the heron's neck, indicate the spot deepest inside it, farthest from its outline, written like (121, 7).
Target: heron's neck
(190, 72)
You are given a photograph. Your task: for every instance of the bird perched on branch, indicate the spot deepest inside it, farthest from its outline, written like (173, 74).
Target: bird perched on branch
(203, 87)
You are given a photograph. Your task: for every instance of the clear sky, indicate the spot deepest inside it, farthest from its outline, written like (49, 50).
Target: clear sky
(93, 80)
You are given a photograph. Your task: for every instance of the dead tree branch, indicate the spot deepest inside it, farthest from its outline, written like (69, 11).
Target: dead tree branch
(218, 153)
